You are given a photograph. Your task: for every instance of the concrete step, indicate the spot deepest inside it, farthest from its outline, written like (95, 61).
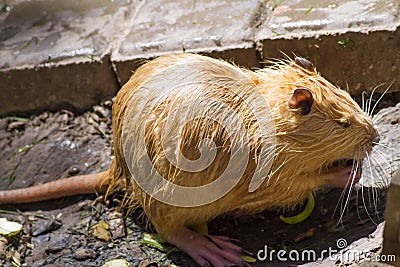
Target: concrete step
(72, 54)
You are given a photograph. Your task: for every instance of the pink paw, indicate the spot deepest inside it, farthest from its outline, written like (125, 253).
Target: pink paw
(208, 250)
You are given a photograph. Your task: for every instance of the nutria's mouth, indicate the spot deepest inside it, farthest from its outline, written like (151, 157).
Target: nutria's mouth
(338, 164)
(342, 172)
(341, 163)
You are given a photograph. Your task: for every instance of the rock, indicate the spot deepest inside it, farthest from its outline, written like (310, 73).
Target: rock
(116, 224)
(84, 253)
(40, 239)
(39, 263)
(45, 226)
(116, 263)
(101, 111)
(58, 243)
(3, 245)
(145, 263)
(73, 170)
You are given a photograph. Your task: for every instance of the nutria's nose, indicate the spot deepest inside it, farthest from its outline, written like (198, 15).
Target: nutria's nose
(375, 138)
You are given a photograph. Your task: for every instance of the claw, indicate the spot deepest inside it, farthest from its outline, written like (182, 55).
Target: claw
(208, 250)
(247, 252)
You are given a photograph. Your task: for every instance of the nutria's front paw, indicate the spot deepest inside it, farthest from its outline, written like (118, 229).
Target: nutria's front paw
(208, 250)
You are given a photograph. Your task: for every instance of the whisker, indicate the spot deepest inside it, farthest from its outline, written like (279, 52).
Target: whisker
(368, 101)
(370, 98)
(363, 103)
(347, 88)
(380, 98)
(383, 153)
(375, 180)
(365, 206)
(374, 188)
(374, 199)
(357, 200)
(382, 145)
(341, 199)
(379, 152)
(358, 195)
(381, 170)
(353, 175)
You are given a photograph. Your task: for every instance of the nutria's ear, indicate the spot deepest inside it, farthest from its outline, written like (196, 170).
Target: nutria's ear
(304, 63)
(301, 98)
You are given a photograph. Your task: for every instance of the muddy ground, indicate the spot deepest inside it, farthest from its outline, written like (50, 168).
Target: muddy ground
(61, 233)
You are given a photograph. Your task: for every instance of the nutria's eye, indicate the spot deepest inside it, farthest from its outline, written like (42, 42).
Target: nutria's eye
(345, 123)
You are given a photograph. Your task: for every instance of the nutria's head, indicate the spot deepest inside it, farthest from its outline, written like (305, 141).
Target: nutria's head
(321, 132)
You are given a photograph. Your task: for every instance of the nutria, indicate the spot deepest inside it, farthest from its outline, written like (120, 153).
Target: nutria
(305, 134)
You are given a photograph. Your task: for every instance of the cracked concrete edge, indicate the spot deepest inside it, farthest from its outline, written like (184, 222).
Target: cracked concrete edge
(244, 55)
(360, 65)
(271, 35)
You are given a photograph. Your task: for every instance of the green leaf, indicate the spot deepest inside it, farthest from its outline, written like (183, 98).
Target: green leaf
(309, 10)
(346, 43)
(101, 231)
(155, 241)
(248, 258)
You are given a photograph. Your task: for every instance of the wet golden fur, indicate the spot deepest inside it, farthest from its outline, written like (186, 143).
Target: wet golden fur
(306, 146)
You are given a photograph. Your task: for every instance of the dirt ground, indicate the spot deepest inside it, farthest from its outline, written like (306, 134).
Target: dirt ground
(61, 232)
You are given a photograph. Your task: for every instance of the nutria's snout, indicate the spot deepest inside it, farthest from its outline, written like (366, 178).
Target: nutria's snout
(374, 134)
(369, 143)
(376, 138)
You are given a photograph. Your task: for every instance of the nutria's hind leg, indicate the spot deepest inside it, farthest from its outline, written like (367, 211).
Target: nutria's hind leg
(207, 250)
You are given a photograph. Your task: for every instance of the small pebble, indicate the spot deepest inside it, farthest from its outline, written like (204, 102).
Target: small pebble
(101, 111)
(116, 223)
(73, 171)
(39, 263)
(94, 117)
(45, 226)
(40, 239)
(3, 245)
(57, 243)
(83, 254)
